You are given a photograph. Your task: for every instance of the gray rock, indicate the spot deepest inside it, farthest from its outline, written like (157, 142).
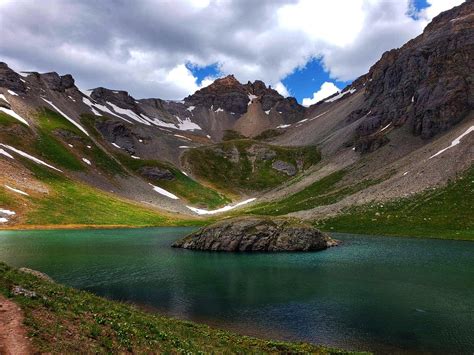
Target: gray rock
(10, 80)
(55, 82)
(118, 133)
(20, 291)
(155, 173)
(253, 234)
(284, 167)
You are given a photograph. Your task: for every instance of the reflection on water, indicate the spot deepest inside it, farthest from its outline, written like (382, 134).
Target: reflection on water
(374, 293)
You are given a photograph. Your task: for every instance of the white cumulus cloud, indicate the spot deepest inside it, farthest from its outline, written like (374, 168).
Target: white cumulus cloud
(327, 89)
(143, 46)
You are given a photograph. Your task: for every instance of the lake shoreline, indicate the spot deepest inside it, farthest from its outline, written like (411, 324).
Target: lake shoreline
(372, 292)
(67, 227)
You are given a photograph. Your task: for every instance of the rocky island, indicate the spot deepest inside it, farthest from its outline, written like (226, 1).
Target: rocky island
(255, 234)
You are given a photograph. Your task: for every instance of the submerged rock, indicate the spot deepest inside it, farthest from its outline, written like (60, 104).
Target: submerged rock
(245, 234)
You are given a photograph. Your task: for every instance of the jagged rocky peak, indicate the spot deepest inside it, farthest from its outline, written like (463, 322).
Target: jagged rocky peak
(225, 93)
(120, 98)
(428, 83)
(56, 82)
(232, 96)
(10, 80)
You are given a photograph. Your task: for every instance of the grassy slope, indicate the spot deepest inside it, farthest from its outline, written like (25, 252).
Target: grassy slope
(321, 192)
(182, 185)
(210, 165)
(447, 213)
(73, 203)
(64, 320)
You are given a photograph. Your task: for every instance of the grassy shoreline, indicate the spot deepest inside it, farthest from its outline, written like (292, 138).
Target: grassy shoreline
(61, 319)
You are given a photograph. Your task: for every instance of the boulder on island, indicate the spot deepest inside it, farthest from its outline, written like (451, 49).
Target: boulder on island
(255, 234)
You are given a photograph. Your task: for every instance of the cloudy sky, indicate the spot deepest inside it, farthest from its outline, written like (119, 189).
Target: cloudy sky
(170, 48)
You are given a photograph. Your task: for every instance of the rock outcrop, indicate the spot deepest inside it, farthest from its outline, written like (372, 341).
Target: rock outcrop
(9, 79)
(254, 234)
(428, 83)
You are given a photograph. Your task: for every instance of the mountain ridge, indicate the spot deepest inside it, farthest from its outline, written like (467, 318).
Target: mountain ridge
(387, 126)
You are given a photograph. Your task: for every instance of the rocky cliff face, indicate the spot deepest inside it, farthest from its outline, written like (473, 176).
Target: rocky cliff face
(257, 235)
(10, 80)
(428, 83)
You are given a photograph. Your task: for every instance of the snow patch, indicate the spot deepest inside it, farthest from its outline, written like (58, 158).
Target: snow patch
(102, 108)
(128, 113)
(219, 110)
(28, 156)
(3, 97)
(267, 112)
(190, 108)
(341, 94)
(13, 93)
(67, 117)
(5, 153)
(116, 145)
(184, 146)
(284, 126)
(383, 129)
(16, 190)
(164, 192)
(182, 137)
(71, 145)
(184, 173)
(135, 157)
(87, 161)
(220, 210)
(7, 212)
(454, 142)
(14, 115)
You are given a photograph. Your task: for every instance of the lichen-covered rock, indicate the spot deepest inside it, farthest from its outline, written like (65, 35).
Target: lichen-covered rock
(254, 234)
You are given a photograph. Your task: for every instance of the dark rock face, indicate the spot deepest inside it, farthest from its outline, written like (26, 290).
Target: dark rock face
(226, 93)
(257, 235)
(10, 80)
(155, 173)
(428, 83)
(284, 167)
(118, 133)
(117, 97)
(232, 96)
(55, 82)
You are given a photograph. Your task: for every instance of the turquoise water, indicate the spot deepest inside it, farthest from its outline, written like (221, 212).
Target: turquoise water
(373, 293)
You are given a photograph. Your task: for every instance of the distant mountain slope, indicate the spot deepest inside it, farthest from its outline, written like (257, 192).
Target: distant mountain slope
(404, 127)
